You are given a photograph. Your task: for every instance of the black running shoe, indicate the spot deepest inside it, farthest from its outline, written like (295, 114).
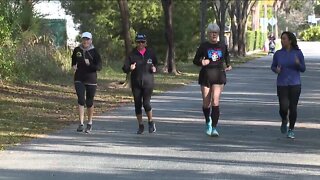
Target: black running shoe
(152, 127)
(141, 129)
(88, 128)
(80, 128)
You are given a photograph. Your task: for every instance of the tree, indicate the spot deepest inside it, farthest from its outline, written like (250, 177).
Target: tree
(203, 19)
(220, 7)
(170, 57)
(240, 10)
(124, 11)
(234, 37)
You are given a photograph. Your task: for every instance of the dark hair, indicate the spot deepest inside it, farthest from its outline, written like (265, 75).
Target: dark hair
(292, 38)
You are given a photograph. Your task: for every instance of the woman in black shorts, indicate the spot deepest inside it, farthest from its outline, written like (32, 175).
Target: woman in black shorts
(211, 56)
(86, 62)
(142, 64)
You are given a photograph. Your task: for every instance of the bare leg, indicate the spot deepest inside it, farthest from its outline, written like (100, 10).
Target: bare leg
(216, 93)
(90, 114)
(139, 118)
(206, 96)
(81, 113)
(149, 115)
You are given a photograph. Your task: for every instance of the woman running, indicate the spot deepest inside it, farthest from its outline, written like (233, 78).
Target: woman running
(86, 62)
(288, 62)
(211, 56)
(142, 64)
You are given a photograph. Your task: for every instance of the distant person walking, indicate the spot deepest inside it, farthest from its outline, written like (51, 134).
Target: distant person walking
(142, 63)
(211, 56)
(86, 62)
(288, 62)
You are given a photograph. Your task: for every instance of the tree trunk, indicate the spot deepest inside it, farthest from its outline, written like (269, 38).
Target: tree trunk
(167, 8)
(276, 27)
(124, 12)
(203, 19)
(223, 7)
(256, 17)
(242, 12)
(234, 34)
(220, 8)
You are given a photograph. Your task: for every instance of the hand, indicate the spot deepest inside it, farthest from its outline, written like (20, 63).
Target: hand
(205, 62)
(153, 68)
(278, 70)
(74, 67)
(87, 62)
(133, 66)
(228, 68)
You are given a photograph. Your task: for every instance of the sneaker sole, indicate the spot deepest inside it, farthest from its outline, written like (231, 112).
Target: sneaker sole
(214, 135)
(153, 131)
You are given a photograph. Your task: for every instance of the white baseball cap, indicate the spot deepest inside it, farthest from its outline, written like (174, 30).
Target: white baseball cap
(86, 35)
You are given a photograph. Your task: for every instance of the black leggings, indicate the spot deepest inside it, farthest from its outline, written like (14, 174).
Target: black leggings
(288, 101)
(142, 96)
(85, 93)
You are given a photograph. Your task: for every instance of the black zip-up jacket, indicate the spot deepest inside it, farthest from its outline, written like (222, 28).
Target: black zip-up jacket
(86, 74)
(217, 53)
(142, 75)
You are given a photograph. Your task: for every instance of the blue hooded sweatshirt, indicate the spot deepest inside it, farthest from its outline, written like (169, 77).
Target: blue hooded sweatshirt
(290, 70)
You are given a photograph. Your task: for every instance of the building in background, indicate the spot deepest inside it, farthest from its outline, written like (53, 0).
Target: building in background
(60, 25)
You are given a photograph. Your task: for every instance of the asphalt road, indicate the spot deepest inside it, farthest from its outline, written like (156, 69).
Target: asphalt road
(250, 146)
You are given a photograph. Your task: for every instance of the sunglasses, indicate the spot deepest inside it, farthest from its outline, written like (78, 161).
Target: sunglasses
(142, 42)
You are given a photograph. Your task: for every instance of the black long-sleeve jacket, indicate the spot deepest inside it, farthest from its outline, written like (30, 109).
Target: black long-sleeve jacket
(142, 75)
(217, 53)
(84, 73)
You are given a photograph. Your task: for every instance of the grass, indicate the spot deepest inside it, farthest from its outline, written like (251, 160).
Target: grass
(35, 109)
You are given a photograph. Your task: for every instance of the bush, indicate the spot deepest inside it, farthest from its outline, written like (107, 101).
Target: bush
(6, 51)
(250, 40)
(38, 59)
(311, 34)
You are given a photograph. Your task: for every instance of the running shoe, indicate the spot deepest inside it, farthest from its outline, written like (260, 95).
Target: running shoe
(80, 128)
(214, 132)
(141, 129)
(209, 128)
(290, 134)
(152, 127)
(88, 128)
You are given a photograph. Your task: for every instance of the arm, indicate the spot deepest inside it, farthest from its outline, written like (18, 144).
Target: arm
(198, 57)
(126, 65)
(301, 65)
(227, 57)
(97, 65)
(274, 64)
(155, 62)
(74, 58)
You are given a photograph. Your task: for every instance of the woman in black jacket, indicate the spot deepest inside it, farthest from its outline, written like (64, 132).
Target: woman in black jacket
(86, 62)
(142, 64)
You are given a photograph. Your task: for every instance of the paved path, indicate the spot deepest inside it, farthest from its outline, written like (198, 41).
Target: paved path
(250, 146)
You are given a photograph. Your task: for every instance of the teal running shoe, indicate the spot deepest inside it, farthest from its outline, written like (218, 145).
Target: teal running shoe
(209, 128)
(214, 132)
(290, 134)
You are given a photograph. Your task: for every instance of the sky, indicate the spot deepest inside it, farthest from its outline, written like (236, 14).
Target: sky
(53, 10)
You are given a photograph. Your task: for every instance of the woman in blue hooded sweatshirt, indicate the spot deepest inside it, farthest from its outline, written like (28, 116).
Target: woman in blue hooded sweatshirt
(288, 62)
